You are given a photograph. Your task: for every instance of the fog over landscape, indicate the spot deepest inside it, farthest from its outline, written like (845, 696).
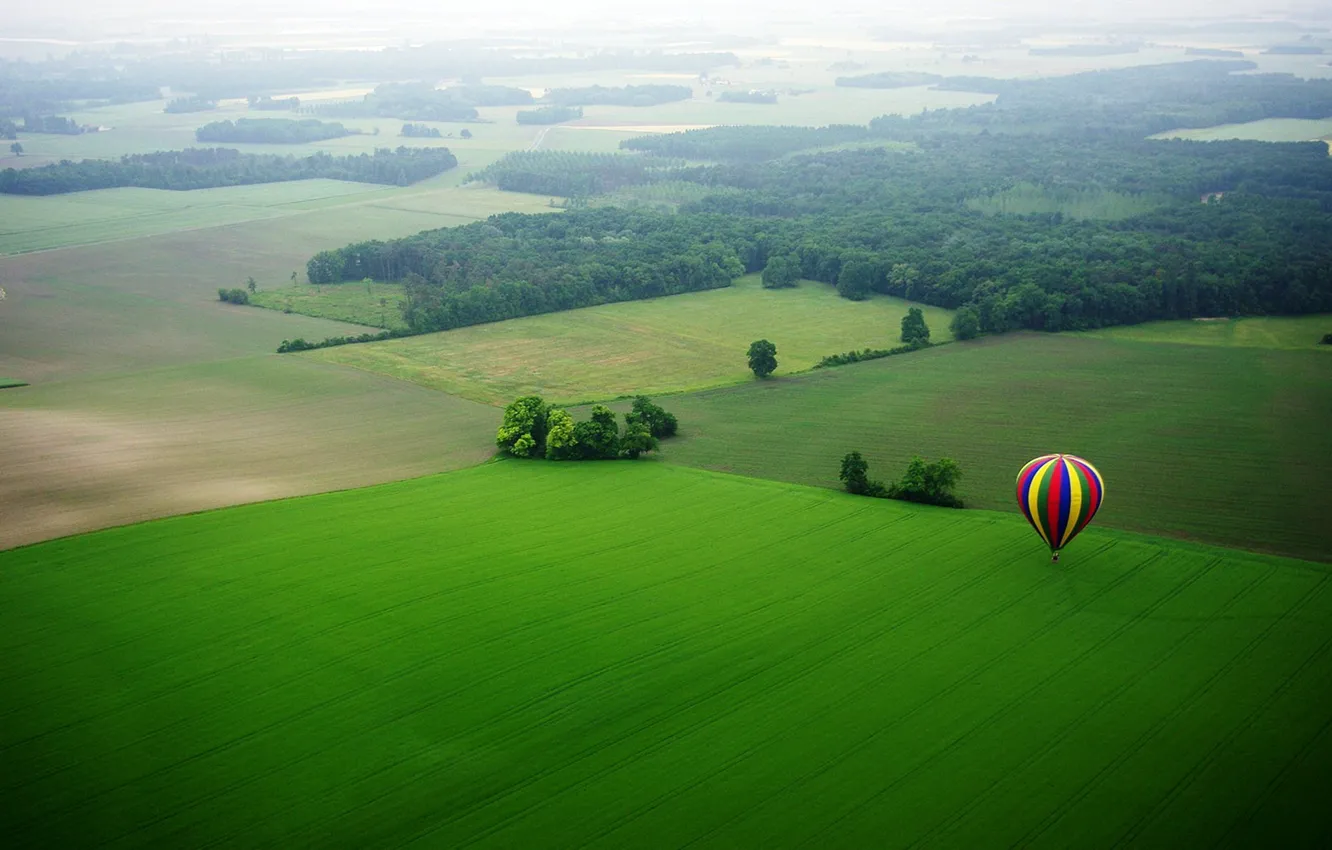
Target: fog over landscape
(702, 424)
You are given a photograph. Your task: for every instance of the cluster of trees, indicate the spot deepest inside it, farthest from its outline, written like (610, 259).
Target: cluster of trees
(420, 131)
(201, 168)
(752, 96)
(518, 265)
(56, 124)
(647, 95)
(424, 102)
(890, 80)
(570, 174)
(531, 428)
(192, 103)
(233, 296)
(269, 104)
(8, 129)
(926, 482)
(549, 114)
(278, 131)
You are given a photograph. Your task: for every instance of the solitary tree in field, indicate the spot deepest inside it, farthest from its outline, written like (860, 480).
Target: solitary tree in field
(16, 149)
(914, 330)
(466, 133)
(251, 285)
(293, 277)
(762, 357)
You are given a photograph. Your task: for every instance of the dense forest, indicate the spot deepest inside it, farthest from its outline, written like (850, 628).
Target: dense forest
(649, 95)
(279, 131)
(56, 124)
(549, 114)
(204, 168)
(897, 219)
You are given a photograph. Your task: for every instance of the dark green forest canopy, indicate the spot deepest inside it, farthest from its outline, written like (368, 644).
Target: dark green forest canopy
(900, 218)
(204, 168)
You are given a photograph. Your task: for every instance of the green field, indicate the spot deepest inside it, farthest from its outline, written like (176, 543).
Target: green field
(106, 215)
(634, 655)
(681, 342)
(379, 305)
(1265, 130)
(1227, 445)
(1287, 332)
(1029, 199)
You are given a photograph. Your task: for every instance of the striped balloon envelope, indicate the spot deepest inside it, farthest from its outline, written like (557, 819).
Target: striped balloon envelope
(1059, 495)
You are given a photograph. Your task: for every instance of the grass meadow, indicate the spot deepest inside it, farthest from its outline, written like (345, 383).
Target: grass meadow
(1030, 199)
(1226, 445)
(378, 305)
(671, 344)
(1285, 332)
(1264, 130)
(636, 655)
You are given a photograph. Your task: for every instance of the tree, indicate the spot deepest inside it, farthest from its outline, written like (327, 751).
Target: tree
(293, 277)
(16, 149)
(781, 271)
(637, 440)
(560, 441)
(966, 323)
(466, 133)
(855, 279)
(928, 483)
(762, 358)
(251, 284)
(855, 473)
(598, 438)
(659, 423)
(914, 330)
(523, 431)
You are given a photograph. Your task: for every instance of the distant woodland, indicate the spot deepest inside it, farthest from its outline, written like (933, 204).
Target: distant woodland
(205, 168)
(900, 220)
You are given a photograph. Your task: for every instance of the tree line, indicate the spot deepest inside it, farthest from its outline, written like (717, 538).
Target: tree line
(646, 95)
(203, 168)
(279, 131)
(549, 114)
(569, 174)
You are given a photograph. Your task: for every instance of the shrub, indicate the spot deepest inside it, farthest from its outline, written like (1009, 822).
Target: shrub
(233, 296)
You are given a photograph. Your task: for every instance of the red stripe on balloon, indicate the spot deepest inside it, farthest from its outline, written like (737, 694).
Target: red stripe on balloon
(1052, 500)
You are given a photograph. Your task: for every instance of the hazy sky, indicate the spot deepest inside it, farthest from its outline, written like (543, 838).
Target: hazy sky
(441, 18)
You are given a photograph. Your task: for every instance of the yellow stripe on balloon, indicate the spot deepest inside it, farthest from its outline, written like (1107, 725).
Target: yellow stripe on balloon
(1074, 503)
(1033, 500)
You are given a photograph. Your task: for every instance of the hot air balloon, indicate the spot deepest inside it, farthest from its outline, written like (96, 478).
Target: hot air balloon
(1059, 495)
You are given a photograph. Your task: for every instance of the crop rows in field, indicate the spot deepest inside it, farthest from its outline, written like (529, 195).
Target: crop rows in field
(512, 656)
